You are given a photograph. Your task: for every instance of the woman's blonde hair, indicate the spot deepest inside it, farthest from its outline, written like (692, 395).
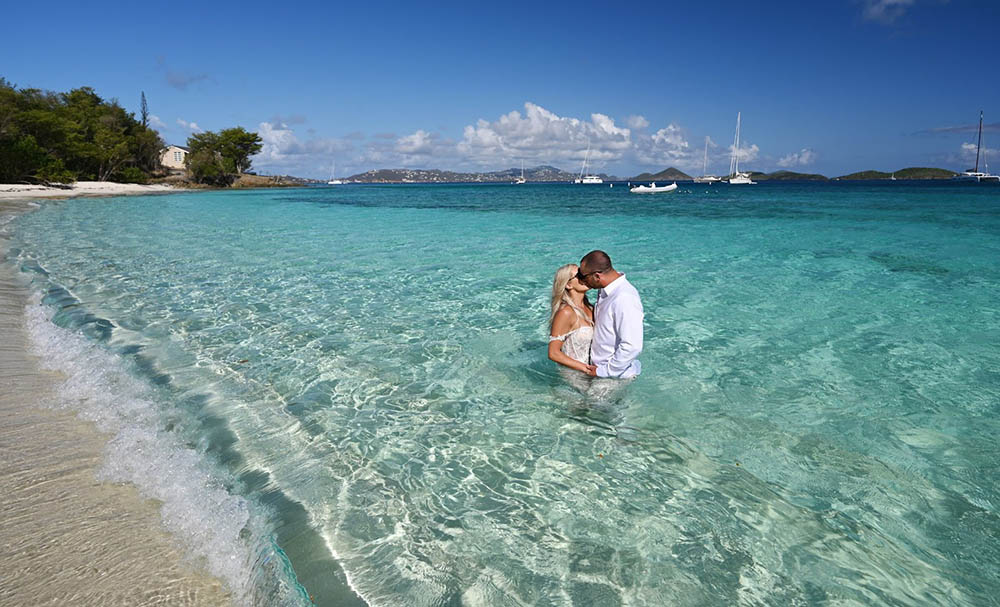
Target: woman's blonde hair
(559, 295)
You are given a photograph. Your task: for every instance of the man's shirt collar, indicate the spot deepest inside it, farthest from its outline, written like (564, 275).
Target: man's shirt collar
(613, 286)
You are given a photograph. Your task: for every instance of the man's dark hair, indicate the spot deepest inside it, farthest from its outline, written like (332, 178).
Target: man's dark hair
(597, 261)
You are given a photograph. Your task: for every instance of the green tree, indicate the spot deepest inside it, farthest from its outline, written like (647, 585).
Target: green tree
(206, 166)
(219, 158)
(46, 136)
(237, 145)
(20, 158)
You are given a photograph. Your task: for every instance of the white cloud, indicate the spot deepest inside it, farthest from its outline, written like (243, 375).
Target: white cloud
(637, 122)
(535, 135)
(666, 147)
(885, 11)
(670, 136)
(420, 143)
(277, 143)
(543, 136)
(803, 157)
(747, 153)
(283, 152)
(156, 123)
(190, 126)
(968, 154)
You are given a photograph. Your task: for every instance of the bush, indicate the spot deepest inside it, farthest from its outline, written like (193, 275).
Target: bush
(132, 175)
(209, 167)
(20, 158)
(54, 172)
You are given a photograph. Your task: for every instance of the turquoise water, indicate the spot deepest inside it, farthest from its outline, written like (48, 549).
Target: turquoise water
(344, 393)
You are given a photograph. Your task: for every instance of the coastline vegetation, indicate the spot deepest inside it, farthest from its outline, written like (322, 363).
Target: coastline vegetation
(58, 138)
(787, 176)
(48, 137)
(907, 173)
(220, 158)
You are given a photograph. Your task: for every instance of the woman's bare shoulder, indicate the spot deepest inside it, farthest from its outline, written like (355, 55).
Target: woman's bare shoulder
(563, 320)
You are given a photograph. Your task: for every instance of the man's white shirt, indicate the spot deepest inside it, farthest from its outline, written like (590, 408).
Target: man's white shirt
(617, 331)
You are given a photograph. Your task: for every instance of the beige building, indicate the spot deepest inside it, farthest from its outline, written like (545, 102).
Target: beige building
(172, 157)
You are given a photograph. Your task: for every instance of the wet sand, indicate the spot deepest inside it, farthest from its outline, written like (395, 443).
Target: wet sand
(65, 537)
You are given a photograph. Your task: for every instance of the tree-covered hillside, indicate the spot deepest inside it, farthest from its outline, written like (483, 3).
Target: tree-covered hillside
(669, 174)
(908, 173)
(63, 137)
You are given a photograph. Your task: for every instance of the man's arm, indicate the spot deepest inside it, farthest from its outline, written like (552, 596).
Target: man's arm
(627, 321)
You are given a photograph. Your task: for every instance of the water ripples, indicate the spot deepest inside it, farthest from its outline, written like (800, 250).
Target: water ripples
(368, 364)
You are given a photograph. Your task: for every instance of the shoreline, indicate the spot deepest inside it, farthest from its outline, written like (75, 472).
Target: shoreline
(68, 537)
(18, 191)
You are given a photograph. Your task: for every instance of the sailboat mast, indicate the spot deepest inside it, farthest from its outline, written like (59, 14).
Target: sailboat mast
(980, 142)
(585, 159)
(704, 166)
(736, 146)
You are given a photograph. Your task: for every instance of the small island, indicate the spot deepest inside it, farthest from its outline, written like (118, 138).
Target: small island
(673, 174)
(908, 173)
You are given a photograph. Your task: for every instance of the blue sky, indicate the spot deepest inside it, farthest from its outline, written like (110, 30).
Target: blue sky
(830, 86)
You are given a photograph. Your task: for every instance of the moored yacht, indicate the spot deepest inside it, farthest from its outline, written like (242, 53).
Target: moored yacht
(705, 177)
(736, 177)
(588, 178)
(974, 175)
(520, 180)
(333, 176)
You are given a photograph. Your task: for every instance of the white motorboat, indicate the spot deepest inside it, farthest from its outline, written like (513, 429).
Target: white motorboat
(705, 177)
(736, 177)
(653, 188)
(588, 178)
(975, 175)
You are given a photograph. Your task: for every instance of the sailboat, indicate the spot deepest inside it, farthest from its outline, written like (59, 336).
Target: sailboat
(705, 177)
(333, 176)
(973, 175)
(520, 180)
(588, 178)
(736, 177)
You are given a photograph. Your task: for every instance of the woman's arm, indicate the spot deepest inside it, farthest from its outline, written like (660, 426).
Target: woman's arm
(556, 354)
(561, 325)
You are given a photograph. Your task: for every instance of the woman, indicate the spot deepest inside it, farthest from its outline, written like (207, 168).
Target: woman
(572, 321)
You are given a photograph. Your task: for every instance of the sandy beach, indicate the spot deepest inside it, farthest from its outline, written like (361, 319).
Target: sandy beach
(67, 538)
(10, 191)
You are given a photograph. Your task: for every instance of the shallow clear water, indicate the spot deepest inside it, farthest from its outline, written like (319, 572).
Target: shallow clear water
(347, 388)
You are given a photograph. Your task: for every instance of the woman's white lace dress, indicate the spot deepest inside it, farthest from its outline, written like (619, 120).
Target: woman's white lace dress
(576, 343)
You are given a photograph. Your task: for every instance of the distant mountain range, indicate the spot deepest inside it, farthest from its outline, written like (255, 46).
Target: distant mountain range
(545, 173)
(673, 174)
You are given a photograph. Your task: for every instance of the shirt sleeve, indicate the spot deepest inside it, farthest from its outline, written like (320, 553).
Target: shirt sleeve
(627, 321)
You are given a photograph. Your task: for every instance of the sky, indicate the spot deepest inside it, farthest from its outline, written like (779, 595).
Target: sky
(828, 86)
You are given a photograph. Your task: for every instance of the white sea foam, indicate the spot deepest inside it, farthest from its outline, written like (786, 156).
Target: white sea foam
(210, 522)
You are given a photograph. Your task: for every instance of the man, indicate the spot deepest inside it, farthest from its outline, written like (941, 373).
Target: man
(617, 318)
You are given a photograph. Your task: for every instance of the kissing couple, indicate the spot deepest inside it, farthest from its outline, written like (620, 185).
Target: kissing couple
(603, 339)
